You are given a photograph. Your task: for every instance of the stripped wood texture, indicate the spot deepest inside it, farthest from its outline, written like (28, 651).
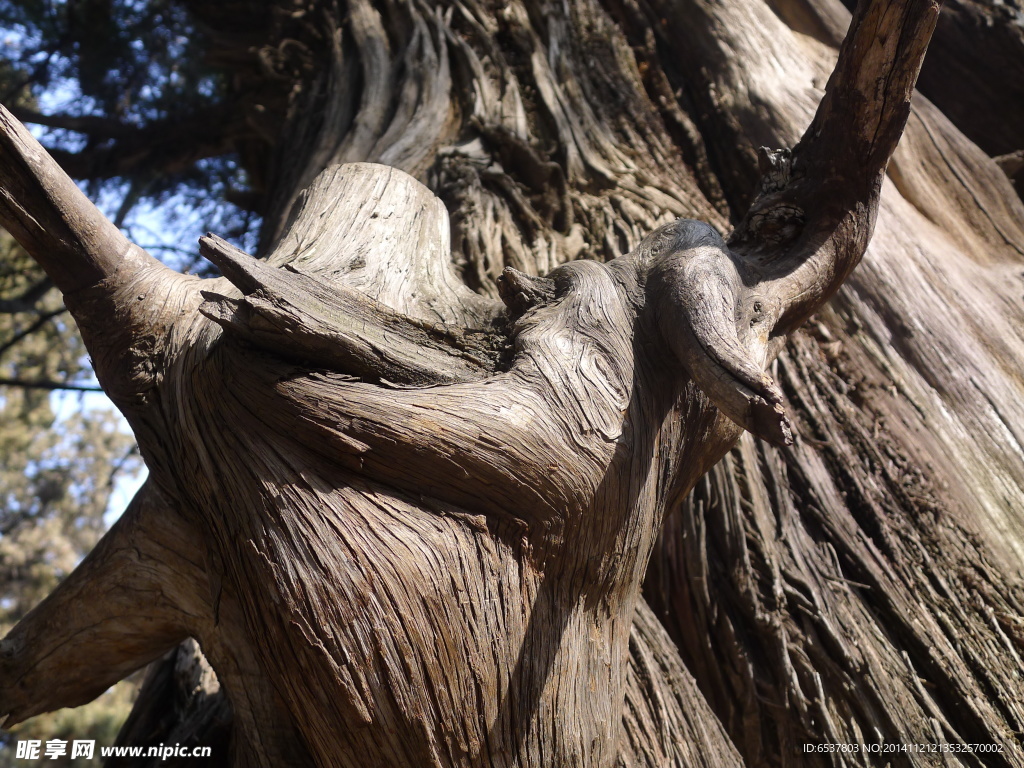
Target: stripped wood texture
(408, 471)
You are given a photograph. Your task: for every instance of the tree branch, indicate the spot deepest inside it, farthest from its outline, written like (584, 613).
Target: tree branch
(140, 592)
(102, 274)
(51, 218)
(867, 99)
(811, 222)
(95, 125)
(50, 385)
(168, 146)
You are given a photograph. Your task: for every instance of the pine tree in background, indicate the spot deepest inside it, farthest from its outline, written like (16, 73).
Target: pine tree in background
(57, 471)
(57, 474)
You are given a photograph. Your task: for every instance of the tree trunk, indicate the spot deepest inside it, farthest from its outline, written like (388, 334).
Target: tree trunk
(404, 493)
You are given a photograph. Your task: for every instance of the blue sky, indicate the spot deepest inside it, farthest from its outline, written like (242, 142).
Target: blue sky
(170, 231)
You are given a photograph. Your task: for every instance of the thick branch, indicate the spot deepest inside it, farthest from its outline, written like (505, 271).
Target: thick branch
(814, 212)
(54, 221)
(123, 299)
(811, 223)
(138, 593)
(867, 99)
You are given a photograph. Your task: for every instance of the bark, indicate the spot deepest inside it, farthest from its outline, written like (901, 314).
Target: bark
(975, 73)
(884, 536)
(415, 519)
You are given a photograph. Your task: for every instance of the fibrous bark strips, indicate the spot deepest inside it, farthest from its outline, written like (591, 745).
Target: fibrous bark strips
(363, 454)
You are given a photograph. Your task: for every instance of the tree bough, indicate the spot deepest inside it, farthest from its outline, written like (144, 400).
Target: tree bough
(408, 525)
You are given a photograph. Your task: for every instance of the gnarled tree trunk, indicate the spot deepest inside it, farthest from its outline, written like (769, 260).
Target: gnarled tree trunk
(409, 522)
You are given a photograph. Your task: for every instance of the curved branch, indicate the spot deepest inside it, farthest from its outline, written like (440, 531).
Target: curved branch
(867, 99)
(140, 592)
(101, 273)
(811, 223)
(696, 292)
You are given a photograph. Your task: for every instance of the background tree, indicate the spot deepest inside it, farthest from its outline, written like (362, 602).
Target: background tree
(863, 583)
(56, 476)
(57, 471)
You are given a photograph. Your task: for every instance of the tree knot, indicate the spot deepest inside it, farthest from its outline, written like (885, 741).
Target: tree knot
(522, 292)
(777, 224)
(776, 168)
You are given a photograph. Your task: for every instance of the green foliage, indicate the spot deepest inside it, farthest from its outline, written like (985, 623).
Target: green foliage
(131, 105)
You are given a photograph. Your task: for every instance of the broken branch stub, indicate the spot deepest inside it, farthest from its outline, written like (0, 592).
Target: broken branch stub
(331, 326)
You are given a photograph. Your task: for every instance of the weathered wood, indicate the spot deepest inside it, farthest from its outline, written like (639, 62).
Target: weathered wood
(182, 705)
(347, 527)
(140, 591)
(904, 418)
(52, 219)
(317, 324)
